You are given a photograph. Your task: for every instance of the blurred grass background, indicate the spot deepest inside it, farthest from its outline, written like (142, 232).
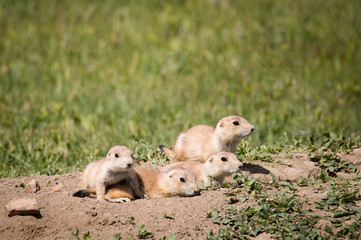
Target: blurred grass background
(80, 76)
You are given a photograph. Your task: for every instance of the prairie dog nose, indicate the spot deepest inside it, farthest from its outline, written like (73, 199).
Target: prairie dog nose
(129, 165)
(252, 129)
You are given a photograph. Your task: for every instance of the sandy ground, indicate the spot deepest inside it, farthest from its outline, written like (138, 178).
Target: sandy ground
(62, 214)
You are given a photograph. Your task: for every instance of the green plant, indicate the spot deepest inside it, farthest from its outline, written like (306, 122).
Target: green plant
(336, 142)
(263, 153)
(303, 182)
(331, 162)
(143, 233)
(251, 185)
(222, 234)
(145, 151)
(352, 231)
(173, 236)
(338, 196)
(281, 215)
(85, 235)
(168, 217)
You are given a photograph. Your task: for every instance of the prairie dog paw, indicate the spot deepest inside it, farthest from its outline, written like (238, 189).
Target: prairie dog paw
(119, 200)
(100, 199)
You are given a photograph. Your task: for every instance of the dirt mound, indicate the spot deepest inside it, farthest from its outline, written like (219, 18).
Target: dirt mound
(188, 218)
(289, 169)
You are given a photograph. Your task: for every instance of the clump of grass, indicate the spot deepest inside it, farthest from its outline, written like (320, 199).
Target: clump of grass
(338, 196)
(146, 151)
(324, 151)
(279, 211)
(331, 163)
(281, 215)
(251, 185)
(335, 142)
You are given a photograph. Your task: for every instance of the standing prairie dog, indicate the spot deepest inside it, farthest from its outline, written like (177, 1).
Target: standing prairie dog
(156, 184)
(117, 166)
(199, 142)
(218, 166)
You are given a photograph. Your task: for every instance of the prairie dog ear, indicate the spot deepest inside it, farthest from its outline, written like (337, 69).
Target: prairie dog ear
(221, 124)
(210, 160)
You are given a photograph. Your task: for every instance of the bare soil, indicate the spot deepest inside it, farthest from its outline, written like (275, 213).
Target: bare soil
(62, 214)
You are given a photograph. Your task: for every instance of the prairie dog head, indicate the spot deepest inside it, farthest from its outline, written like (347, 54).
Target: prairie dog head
(179, 181)
(233, 128)
(222, 164)
(119, 158)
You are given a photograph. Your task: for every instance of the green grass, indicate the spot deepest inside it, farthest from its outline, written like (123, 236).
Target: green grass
(281, 211)
(80, 76)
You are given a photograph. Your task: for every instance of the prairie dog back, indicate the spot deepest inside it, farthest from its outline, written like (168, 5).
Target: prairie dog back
(156, 184)
(201, 141)
(218, 165)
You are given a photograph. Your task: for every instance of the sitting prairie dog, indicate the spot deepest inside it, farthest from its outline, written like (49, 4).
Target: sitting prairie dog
(156, 184)
(117, 166)
(199, 142)
(218, 166)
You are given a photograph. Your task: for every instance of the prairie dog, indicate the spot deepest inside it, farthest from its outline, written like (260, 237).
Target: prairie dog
(115, 167)
(199, 142)
(156, 184)
(218, 165)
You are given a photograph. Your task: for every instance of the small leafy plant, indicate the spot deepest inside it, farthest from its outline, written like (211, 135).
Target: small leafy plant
(331, 162)
(173, 236)
(85, 235)
(168, 217)
(251, 185)
(145, 151)
(117, 236)
(336, 197)
(335, 142)
(143, 233)
(280, 214)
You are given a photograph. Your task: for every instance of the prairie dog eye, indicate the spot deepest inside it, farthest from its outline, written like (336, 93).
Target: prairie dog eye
(235, 123)
(224, 159)
(116, 155)
(182, 179)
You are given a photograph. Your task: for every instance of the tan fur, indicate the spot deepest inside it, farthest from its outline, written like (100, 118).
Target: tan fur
(214, 167)
(199, 142)
(156, 184)
(112, 194)
(117, 166)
